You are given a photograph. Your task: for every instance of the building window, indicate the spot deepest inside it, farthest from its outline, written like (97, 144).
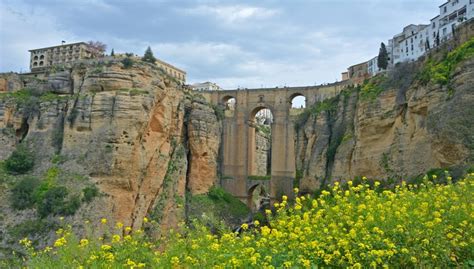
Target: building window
(434, 25)
(445, 9)
(41, 57)
(41, 63)
(35, 58)
(35, 64)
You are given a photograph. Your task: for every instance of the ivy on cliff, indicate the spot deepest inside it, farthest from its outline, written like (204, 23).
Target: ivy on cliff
(441, 72)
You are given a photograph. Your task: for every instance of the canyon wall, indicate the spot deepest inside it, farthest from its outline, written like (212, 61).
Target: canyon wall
(409, 128)
(137, 135)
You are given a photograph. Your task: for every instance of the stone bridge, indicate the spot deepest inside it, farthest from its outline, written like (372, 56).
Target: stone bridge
(238, 142)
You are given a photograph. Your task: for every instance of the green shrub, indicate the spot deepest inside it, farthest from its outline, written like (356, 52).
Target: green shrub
(127, 62)
(89, 193)
(440, 72)
(217, 193)
(53, 202)
(20, 161)
(22, 193)
(372, 88)
(70, 207)
(32, 228)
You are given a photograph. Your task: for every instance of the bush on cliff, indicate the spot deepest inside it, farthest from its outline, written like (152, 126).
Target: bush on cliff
(442, 71)
(20, 161)
(22, 193)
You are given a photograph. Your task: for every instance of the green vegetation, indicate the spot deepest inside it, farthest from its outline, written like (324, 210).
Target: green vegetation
(216, 209)
(440, 72)
(54, 201)
(148, 57)
(89, 193)
(47, 196)
(127, 62)
(372, 88)
(22, 193)
(20, 161)
(382, 59)
(414, 226)
(264, 129)
(328, 105)
(31, 229)
(253, 177)
(385, 163)
(218, 111)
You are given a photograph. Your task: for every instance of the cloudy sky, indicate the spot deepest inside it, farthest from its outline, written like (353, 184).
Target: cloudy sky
(234, 43)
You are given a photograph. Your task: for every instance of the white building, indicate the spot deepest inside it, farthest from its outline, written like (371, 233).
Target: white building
(451, 14)
(415, 40)
(206, 86)
(410, 44)
(372, 66)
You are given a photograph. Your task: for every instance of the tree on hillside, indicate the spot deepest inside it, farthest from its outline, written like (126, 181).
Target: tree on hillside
(148, 57)
(382, 59)
(112, 53)
(97, 48)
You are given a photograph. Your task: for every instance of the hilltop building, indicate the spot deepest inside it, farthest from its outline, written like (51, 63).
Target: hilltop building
(409, 45)
(44, 58)
(372, 66)
(172, 70)
(358, 73)
(344, 76)
(206, 86)
(41, 59)
(415, 40)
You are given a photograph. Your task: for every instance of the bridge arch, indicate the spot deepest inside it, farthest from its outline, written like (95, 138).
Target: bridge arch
(229, 102)
(255, 196)
(259, 141)
(298, 100)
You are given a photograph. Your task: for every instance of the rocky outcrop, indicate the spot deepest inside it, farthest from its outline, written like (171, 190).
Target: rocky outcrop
(204, 132)
(141, 138)
(400, 134)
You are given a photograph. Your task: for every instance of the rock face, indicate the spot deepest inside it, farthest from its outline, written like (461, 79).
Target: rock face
(400, 134)
(141, 138)
(204, 132)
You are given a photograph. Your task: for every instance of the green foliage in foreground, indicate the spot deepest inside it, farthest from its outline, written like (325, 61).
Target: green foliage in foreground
(217, 208)
(48, 196)
(413, 226)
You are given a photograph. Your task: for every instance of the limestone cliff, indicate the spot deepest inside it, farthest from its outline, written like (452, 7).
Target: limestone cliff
(136, 134)
(397, 128)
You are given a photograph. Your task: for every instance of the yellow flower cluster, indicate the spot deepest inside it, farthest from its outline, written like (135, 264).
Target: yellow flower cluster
(412, 226)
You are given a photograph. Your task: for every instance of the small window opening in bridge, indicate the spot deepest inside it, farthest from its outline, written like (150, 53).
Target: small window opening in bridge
(298, 101)
(258, 198)
(229, 103)
(260, 142)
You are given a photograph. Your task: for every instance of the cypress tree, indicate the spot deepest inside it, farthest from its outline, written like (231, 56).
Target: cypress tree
(382, 59)
(148, 57)
(112, 53)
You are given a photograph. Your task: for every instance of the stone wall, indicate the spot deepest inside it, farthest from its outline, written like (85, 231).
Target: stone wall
(263, 147)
